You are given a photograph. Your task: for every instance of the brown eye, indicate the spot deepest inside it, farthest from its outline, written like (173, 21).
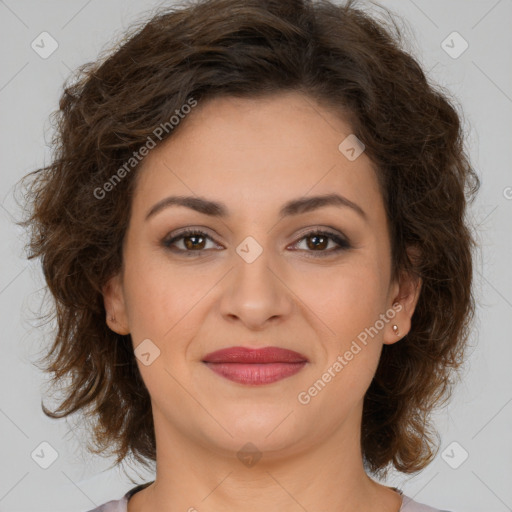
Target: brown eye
(192, 241)
(318, 241)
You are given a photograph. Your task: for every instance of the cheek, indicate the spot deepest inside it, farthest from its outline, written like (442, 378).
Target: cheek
(347, 298)
(166, 303)
(349, 302)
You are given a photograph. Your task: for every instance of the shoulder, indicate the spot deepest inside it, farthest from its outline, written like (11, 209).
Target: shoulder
(409, 505)
(122, 504)
(113, 506)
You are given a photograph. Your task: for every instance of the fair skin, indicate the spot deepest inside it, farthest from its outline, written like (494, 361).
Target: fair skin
(254, 155)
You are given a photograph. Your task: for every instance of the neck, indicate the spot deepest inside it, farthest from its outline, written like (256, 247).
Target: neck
(327, 476)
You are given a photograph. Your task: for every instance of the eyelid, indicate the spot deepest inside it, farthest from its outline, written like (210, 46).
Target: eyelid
(185, 232)
(343, 243)
(329, 230)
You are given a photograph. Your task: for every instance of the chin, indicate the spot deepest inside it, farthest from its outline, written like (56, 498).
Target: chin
(269, 430)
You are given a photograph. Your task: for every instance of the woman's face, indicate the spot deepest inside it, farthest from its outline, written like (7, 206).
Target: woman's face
(257, 276)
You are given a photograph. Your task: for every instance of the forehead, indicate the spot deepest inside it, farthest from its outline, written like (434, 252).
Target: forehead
(257, 152)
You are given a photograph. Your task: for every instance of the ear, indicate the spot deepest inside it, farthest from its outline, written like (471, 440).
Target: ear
(113, 298)
(405, 292)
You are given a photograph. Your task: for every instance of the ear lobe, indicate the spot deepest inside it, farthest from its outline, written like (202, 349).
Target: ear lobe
(113, 299)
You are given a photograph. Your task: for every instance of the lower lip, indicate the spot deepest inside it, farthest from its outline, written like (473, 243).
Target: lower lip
(255, 374)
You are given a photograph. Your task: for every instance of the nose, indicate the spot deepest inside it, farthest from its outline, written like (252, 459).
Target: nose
(256, 294)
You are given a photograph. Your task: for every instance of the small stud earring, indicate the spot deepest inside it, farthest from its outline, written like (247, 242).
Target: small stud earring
(395, 330)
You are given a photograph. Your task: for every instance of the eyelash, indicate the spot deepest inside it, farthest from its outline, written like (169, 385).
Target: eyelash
(343, 244)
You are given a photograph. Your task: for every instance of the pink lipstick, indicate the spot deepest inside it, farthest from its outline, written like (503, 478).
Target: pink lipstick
(255, 366)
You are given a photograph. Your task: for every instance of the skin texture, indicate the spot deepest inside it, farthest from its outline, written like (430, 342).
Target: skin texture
(254, 155)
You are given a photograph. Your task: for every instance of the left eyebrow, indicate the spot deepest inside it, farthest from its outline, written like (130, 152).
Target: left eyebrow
(308, 204)
(293, 207)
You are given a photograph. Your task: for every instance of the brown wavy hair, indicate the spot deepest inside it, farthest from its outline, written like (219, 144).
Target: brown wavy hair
(347, 60)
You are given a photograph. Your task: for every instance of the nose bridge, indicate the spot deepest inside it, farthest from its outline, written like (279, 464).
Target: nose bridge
(254, 293)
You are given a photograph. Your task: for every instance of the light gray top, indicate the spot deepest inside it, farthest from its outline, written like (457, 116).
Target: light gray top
(408, 504)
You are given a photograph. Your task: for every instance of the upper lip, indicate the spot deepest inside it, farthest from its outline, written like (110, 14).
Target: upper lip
(259, 355)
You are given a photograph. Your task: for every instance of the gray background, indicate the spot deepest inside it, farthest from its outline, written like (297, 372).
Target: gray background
(479, 418)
